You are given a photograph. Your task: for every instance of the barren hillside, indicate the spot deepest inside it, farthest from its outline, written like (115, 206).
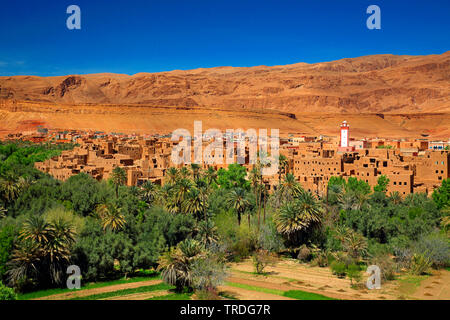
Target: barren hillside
(405, 87)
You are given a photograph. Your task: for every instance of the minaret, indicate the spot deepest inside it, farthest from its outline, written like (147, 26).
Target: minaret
(345, 128)
(344, 145)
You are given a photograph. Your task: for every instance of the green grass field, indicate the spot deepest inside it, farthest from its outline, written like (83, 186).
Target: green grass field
(92, 285)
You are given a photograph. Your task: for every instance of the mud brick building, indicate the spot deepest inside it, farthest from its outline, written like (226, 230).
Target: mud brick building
(411, 165)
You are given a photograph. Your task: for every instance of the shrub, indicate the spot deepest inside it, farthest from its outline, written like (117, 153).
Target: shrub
(420, 264)
(304, 254)
(207, 274)
(339, 269)
(7, 235)
(321, 259)
(7, 293)
(436, 248)
(262, 259)
(208, 294)
(354, 274)
(387, 266)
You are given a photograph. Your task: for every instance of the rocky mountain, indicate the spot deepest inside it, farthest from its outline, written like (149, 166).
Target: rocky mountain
(370, 84)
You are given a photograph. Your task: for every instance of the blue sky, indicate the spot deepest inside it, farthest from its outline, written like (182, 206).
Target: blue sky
(160, 35)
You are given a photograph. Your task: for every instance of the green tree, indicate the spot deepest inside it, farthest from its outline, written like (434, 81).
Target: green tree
(299, 215)
(176, 264)
(7, 293)
(7, 235)
(382, 184)
(111, 217)
(233, 177)
(238, 200)
(118, 178)
(441, 196)
(195, 203)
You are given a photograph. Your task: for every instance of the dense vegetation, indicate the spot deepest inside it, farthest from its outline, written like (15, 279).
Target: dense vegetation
(200, 220)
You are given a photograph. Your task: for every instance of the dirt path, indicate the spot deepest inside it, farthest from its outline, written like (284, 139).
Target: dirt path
(291, 275)
(436, 287)
(140, 296)
(89, 292)
(244, 294)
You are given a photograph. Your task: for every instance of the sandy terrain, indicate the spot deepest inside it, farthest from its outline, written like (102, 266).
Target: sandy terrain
(436, 287)
(140, 296)
(290, 275)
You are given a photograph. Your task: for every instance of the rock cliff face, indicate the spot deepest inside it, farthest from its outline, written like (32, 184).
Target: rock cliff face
(372, 84)
(382, 95)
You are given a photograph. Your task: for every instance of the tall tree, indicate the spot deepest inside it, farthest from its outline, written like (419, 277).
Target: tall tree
(119, 178)
(238, 200)
(298, 215)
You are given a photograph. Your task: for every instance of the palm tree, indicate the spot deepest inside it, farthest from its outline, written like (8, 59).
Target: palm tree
(24, 263)
(298, 215)
(283, 164)
(255, 178)
(207, 232)
(172, 175)
(194, 203)
(395, 197)
(149, 192)
(353, 242)
(119, 178)
(195, 170)
(111, 217)
(175, 265)
(10, 188)
(42, 244)
(211, 176)
(37, 230)
(181, 189)
(239, 202)
(289, 188)
(184, 173)
(3, 212)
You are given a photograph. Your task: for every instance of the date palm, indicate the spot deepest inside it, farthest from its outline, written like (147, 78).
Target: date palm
(211, 175)
(298, 215)
(195, 170)
(3, 212)
(207, 232)
(111, 217)
(238, 200)
(149, 192)
(24, 263)
(175, 265)
(184, 173)
(194, 203)
(181, 189)
(289, 189)
(119, 178)
(283, 166)
(354, 243)
(10, 188)
(37, 230)
(395, 197)
(172, 175)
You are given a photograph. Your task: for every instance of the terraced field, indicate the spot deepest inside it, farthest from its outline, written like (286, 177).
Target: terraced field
(287, 280)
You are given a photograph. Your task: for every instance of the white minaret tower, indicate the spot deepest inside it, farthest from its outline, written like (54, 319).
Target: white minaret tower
(345, 135)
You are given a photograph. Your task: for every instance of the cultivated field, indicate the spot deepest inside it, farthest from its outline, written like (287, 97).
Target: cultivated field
(287, 280)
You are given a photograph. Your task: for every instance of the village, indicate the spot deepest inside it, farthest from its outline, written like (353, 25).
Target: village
(412, 165)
